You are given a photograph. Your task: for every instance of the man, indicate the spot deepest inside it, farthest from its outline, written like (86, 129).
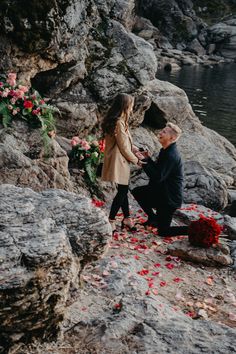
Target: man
(165, 189)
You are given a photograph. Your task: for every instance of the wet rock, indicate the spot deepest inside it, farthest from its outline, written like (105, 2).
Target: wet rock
(223, 35)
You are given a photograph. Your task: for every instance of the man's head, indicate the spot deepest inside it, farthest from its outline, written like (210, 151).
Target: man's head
(169, 134)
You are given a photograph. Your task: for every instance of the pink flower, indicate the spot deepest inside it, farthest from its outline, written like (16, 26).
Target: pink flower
(85, 145)
(23, 88)
(1, 84)
(12, 76)
(19, 93)
(75, 141)
(5, 92)
(14, 112)
(36, 111)
(11, 79)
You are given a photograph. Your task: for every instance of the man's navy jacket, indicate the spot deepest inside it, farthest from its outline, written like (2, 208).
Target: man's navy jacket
(166, 177)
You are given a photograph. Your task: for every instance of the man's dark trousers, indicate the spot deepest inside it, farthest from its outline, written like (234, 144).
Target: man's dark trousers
(148, 200)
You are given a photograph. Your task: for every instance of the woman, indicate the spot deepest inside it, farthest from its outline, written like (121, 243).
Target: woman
(118, 155)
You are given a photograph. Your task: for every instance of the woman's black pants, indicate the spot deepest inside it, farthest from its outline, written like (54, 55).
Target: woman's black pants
(120, 201)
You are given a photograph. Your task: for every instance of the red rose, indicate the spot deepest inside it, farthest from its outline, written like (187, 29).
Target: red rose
(101, 144)
(204, 232)
(28, 104)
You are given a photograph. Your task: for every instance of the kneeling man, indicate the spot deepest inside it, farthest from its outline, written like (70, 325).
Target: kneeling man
(164, 191)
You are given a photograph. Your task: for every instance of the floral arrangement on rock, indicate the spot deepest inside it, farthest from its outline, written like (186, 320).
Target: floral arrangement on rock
(88, 153)
(204, 232)
(18, 101)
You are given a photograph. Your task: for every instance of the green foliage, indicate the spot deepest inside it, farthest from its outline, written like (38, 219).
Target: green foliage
(17, 101)
(88, 154)
(6, 117)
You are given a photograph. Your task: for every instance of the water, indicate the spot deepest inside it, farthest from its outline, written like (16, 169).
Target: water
(212, 94)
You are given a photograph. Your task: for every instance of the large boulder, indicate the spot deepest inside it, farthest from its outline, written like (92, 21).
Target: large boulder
(223, 35)
(168, 103)
(24, 161)
(204, 186)
(46, 239)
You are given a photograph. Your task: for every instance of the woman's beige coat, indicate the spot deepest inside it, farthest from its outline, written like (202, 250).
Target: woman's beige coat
(118, 155)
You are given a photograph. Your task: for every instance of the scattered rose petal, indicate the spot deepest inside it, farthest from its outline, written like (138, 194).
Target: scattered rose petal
(209, 281)
(163, 283)
(143, 272)
(232, 316)
(177, 280)
(169, 265)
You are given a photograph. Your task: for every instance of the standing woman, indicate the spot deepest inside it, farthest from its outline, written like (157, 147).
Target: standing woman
(118, 155)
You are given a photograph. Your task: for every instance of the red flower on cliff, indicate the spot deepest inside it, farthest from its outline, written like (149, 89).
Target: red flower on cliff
(101, 144)
(204, 232)
(28, 105)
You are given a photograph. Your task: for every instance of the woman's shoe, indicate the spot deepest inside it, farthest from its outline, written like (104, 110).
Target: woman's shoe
(128, 224)
(113, 225)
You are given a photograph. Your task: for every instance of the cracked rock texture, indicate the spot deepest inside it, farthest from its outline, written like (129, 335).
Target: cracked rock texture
(46, 238)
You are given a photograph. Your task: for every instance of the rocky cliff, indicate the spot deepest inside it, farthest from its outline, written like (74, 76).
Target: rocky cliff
(79, 54)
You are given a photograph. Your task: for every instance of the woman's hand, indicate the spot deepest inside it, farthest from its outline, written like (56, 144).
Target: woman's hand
(139, 155)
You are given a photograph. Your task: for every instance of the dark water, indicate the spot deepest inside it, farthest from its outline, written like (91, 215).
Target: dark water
(212, 94)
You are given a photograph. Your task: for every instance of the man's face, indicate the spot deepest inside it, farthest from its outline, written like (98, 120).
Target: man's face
(165, 136)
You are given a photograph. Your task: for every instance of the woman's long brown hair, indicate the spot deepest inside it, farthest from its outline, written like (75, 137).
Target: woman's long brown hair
(119, 107)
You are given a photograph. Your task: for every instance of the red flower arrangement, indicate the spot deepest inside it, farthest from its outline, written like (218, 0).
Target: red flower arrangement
(204, 232)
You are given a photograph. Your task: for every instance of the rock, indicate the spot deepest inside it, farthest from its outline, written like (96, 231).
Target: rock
(46, 238)
(231, 195)
(219, 255)
(223, 35)
(23, 162)
(191, 212)
(143, 323)
(204, 186)
(175, 19)
(197, 143)
(196, 47)
(230, 225)
(232, 211)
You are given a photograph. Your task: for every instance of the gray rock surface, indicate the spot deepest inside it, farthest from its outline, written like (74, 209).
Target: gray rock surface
(204, 186)
(24, 161)
(46, 239)
(230, 224)
(219, 255)
(144, 324)
(223, 35)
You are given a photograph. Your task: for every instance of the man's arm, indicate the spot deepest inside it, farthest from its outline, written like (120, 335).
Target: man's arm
(156, 171)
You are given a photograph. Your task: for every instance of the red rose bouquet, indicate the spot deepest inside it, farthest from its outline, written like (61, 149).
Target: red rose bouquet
(18, 101)
(204, 232)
